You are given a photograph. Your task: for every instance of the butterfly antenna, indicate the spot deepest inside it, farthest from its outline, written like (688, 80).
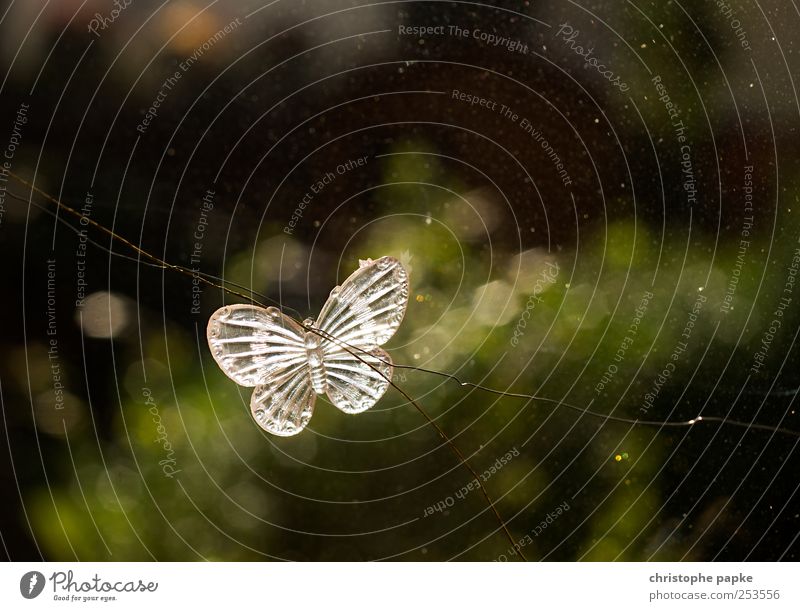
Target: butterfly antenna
(450, 443)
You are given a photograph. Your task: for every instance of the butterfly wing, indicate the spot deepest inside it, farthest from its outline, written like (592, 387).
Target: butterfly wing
(252, 344)
(284, 406)
(360, 315)
(369, 306)
(263, 348)
(356, 384)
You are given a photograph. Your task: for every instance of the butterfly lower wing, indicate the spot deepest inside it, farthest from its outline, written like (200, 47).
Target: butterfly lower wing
(356, 379)
(254, 345)
(367, 308)
(360, 315)
(283, 406)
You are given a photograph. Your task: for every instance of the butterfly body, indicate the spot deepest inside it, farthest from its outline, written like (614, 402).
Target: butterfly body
(316, 360)
(339, 355)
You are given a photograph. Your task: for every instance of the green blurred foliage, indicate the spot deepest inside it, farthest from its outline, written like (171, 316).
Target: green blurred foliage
(239, 494)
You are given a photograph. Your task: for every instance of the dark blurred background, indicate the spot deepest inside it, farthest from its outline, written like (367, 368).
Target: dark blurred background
(125, 442)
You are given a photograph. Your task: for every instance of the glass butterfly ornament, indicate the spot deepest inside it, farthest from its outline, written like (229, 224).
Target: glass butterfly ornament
(289, 365)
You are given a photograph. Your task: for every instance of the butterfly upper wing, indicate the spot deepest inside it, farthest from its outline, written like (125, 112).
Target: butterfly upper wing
(360, 315)
(369, 306)
(252, 344)
(263, 348)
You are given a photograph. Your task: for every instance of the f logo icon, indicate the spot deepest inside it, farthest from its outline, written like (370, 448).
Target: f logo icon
(31, 584)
